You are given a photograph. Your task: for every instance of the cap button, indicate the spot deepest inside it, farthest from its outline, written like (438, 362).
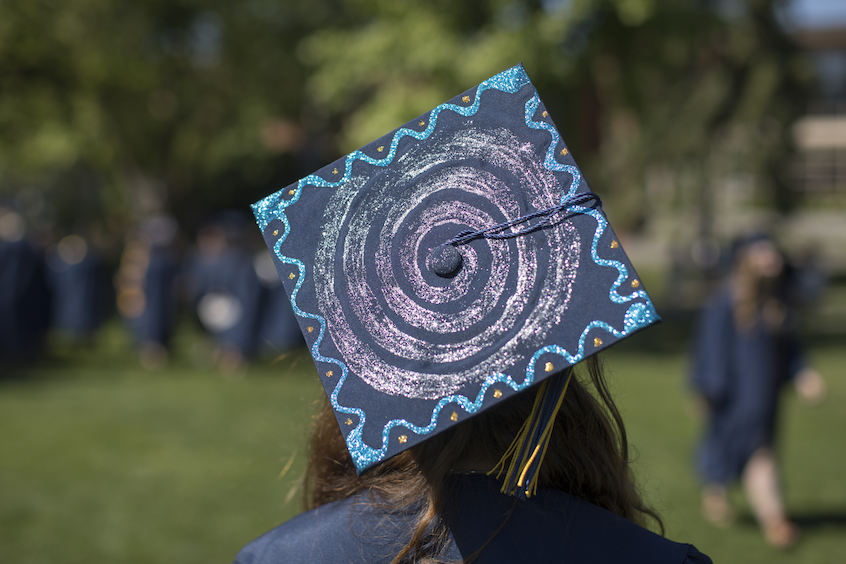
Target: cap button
(445, 260)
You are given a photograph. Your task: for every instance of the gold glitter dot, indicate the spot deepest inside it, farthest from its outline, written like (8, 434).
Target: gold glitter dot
(454, 416)
(635, 283)
(497, 393)
(380, 148)
(422, 123)
(334, 171)
(292, 276)
(275, 232)
(549, 367)
(403, 439)
(465, 99)
(310, 329)
(597, 341)
(545, 113)
(614, 244)
(348, 421)
(564, 151)
(329, 373)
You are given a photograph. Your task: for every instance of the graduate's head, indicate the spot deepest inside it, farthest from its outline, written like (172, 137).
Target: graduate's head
(449, 265)
(758, 256)
(447, 277)
(587, 457)
(759, 282)
(586, 452)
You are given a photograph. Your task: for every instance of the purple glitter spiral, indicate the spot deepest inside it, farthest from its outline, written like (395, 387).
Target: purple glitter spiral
(456, 331)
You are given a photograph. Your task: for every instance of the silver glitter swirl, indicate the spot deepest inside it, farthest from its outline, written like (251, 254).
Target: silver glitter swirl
(436, 329)
(447, 213)
(467, 180)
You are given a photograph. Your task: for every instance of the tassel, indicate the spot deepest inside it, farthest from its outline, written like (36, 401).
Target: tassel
(527, 451)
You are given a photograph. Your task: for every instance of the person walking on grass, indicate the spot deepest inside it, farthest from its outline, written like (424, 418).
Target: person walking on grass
(746, 350)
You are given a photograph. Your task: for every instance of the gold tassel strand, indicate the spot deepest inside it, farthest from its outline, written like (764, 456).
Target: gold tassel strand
(526, 453)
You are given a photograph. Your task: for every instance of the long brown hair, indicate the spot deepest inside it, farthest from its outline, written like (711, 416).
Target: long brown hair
(758, 298)
(587, 457)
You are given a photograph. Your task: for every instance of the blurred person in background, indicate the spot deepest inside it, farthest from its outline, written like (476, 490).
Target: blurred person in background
(78, 285)
(25, 300)
(146, 288)
(746, 350)
(226, 291)
(278, 330)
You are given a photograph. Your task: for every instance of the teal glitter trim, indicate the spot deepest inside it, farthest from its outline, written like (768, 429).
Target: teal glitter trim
(638, 315)
(550, 162)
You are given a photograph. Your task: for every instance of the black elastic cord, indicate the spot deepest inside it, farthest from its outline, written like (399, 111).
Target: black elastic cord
(496, 232)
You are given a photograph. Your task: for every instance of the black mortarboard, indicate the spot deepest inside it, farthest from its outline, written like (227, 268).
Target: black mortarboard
(451, 263)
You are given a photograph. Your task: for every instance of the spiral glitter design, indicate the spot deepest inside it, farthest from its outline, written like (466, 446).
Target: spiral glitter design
(401, 328)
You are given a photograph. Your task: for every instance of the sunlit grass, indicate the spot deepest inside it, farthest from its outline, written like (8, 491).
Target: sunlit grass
(115, 464)
(663, 427)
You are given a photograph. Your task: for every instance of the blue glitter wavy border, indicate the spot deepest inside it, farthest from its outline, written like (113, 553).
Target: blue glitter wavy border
(637, 316)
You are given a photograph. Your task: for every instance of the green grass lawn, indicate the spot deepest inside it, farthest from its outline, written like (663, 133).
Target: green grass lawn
(101, 461)
(663, 426)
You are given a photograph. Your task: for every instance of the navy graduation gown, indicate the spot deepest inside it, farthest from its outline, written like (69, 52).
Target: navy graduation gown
(549, 527)
(78, 294)
(156, 322)
(25, 300)
(231, 273)
(278, 328)
(740, 375)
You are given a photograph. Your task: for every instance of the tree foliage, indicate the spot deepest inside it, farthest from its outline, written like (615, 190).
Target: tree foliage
(161, 103)
(635, 85)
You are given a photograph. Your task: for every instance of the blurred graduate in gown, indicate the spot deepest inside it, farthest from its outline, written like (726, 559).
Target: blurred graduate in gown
(146, 288)
(25, 298)
(746, 351)
(79, 288)
(237, 294)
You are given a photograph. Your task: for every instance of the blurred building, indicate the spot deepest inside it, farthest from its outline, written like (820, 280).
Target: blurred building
(820, 169)
(819, 172)
(813, 233)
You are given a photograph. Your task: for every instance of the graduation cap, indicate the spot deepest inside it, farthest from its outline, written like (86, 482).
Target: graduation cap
(454, 262)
